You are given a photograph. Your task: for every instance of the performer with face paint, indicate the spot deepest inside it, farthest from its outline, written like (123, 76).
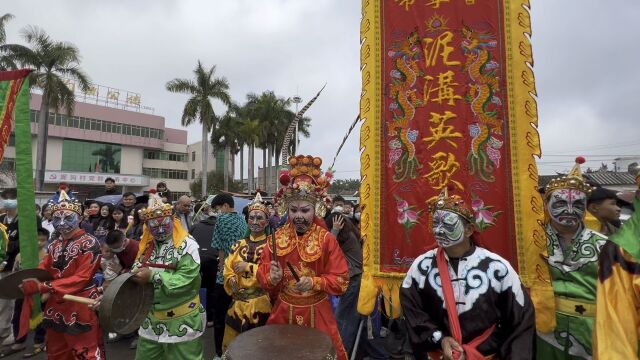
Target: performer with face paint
(251, 305)
(572, 258)
(311, 250)
(493, 314)
(72, 260)
(168, 258)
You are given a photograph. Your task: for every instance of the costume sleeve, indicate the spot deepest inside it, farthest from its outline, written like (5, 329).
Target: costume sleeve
(87, 263)
(335, 278)
(517, 319)
(232, 259)
(262, 274)
(4, 241)
(615, 333)
(178, 282)
(424, 333)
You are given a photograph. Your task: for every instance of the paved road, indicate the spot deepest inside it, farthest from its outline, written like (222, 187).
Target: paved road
(121, 351)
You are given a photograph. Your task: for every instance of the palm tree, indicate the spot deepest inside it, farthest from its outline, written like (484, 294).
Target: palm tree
(107, 159)
(52, 62)
(226, 135)
(269, 109)
(5, 62)
(202, 89)
(250, 131)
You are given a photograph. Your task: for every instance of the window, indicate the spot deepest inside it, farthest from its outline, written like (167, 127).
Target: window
(193, 174)
(8, 164)
(165, 173)
(193, 156)
(85, 156)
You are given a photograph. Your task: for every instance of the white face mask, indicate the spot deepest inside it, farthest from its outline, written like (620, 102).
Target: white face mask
(337, 209)
(448, 228)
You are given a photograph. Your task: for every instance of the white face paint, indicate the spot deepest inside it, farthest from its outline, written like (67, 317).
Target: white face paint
(448, 228)
(567, 206)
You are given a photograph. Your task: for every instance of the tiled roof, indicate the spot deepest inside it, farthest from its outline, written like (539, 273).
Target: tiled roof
(603, 178)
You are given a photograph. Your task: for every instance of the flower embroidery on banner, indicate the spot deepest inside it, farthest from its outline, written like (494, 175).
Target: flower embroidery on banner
(484, 216)
(407, 217)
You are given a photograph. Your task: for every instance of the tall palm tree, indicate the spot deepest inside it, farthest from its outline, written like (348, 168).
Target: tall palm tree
(226, 135)
(202, 89)
(52, 62)
(250, 130)
(269, 109)
(5, 61)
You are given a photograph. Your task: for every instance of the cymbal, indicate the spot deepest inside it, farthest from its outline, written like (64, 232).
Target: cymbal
(9, 285)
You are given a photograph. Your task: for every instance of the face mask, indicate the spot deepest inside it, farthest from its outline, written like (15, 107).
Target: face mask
(567, 206)
(448, 228)
(161, 228)
(337, 209)
(10, 204)
(257, 222)
(118, 250)
(65, 221)
(357, 216)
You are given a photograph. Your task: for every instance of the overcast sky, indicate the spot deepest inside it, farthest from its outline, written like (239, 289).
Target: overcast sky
(586, 62)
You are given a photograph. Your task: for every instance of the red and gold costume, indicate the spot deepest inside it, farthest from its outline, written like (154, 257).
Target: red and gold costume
(73, 331)
(315, 254)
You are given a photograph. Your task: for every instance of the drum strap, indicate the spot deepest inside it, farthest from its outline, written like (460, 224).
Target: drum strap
(454, 323)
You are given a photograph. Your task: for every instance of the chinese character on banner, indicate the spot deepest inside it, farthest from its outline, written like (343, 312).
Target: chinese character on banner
(436, 3)
(439, 47)
(92, 178)
(444, 89)
(53, 176)
(113, 94)
(100, 178)
(118, 179)
(82, 178)
(406, 3)
(133, 99)
(63, 176)
(442, 168)
(72, 177)
(441, 130)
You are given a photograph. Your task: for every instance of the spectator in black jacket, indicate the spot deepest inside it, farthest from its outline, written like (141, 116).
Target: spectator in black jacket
(10, 220)
(202, 232)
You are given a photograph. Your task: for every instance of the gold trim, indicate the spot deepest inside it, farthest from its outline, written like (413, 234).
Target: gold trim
(179, 310)
(571, 307)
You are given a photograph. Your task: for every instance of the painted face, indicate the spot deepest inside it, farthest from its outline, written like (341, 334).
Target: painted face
(567, 206)
(301, 215)
(257, 221)
(448, 228)
(161, 228)
(65, 221)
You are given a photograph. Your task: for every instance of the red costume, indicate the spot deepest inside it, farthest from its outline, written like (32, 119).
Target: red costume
(72, 328)
(315, 254)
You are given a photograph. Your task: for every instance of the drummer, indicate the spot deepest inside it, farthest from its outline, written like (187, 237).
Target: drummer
(251, 305)
(307, 264)
(168, 258)
(72, 260)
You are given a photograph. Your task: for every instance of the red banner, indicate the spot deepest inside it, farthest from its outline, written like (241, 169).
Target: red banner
(439, 89)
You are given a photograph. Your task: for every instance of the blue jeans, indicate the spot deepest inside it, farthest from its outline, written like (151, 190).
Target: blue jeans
(349, 319)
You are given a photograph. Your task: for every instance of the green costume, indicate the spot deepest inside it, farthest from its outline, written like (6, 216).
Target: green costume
(573, 275)
(176, 321)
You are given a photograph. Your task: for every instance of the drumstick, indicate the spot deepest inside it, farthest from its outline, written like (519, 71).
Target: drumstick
(293, 272)
(79, 299)
(273, 244)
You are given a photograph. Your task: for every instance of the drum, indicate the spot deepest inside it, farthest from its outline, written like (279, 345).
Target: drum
(10, 284)
(281, 342)
(125, 304)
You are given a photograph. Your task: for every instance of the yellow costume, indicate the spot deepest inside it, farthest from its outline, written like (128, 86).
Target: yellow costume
(251, 305)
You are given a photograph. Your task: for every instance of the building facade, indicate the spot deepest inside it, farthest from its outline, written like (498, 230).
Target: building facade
(133, 147)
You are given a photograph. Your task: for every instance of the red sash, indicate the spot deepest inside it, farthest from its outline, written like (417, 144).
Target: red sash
(452, 312)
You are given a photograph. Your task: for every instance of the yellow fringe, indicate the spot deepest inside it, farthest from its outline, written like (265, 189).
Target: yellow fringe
(179, 235)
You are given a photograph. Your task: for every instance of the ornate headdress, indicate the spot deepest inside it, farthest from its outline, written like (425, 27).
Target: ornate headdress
(156, 208)
(65, 202)
(303, 181)
(453, 203)
(257, 204)
(573, 180)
